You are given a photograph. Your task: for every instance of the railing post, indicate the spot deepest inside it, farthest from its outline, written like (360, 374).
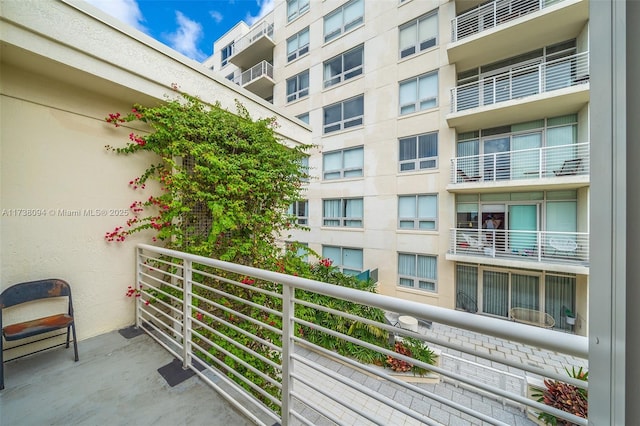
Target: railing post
(287, 351)
(495, 14)
(137, 285)
(186, 313)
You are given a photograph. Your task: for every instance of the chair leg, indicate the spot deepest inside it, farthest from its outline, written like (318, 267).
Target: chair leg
(75, 341)
(1, 365)
(68, 331)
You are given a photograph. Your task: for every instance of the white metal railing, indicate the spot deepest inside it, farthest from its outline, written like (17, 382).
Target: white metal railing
(264, 28)
(490, 15)
(536, 246)
(184, 305)
(522, 80)
(261, 69)
(533, 163)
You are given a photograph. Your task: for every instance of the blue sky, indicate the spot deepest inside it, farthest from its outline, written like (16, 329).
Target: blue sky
(188, 26)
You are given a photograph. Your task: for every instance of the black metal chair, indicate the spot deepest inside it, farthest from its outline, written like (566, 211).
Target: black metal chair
(28, 292)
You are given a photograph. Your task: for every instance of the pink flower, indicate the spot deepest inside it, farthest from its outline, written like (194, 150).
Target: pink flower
(199, 316)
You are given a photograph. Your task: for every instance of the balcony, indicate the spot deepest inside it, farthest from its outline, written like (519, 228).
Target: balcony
(258, 79)
(254, 47)
(523, 92)
(552, 251)
(184, 307)
(560, 167)
(506, 28)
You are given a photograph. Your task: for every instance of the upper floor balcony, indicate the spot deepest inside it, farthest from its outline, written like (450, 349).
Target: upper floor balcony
(255, 46)
(565, 166)
(515, 248)
(258, 79)
(505, 28)
(537, 89)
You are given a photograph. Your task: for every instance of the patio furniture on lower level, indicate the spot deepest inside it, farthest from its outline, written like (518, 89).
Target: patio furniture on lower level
(532, 317)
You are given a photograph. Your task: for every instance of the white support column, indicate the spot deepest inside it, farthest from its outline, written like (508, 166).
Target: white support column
(186, 313)
(287, 348)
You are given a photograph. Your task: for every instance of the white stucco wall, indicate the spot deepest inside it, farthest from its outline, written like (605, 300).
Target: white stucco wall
(56, 90)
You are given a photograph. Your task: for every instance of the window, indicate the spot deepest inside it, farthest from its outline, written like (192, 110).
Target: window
(417, 211)
(343, 164)
(417, 271)
(298, 45)
(295, 8)
(304, 165)
(298, 86)
(344, 67)
(343, 19)
(418, 152)
(348, 260)
(419, 93)
(344, 114)
(230, 77)
(227, 51)
(418, 35)
(518, 151)
(303, 117)
(300, 209)
(494, 291)
(342, 212)
(301, 249)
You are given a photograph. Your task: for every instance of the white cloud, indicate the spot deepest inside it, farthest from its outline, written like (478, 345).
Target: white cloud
(216, 16)
(126, 11)
(185, 38)
(266, 6)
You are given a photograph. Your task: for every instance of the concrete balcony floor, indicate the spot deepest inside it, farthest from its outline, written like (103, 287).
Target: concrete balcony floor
(115, 382)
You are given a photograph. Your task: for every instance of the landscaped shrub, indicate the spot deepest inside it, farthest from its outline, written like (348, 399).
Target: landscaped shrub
(565, 397)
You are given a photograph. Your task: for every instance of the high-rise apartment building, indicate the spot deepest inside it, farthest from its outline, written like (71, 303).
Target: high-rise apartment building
(452, 144)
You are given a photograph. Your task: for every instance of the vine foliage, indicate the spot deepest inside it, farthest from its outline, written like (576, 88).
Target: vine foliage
(226, 180)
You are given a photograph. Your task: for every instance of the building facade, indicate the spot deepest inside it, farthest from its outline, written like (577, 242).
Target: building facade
(451, 144)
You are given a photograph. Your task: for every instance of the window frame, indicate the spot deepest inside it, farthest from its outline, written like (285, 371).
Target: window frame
(344, 27)
(343, 123)
(343, 170)
(418, 160)
(300, 92)
(294, 210)
(418, 45)
(340, 264)
(299, 10)
(343, 219)
(225, 53)
(416, 219)
(344, 73)
(301, 50)
(417, 103)
(416, 279)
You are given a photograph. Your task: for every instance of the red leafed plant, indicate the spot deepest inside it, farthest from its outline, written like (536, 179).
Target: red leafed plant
(397, 364)
(565, 397)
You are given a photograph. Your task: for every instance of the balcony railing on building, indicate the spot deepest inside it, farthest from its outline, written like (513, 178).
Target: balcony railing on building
(492, 14)
(533, 163)
(257, 79)
(521, 81)
(187, 301)
(263, 29)
(254, 46)
(532, 246)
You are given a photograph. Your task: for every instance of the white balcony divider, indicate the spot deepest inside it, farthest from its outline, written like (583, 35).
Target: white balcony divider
(492, 14)
(536, 246)
(264, 28)
(534, 163)
(522, 80)
(261, 69)
(183, 305)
